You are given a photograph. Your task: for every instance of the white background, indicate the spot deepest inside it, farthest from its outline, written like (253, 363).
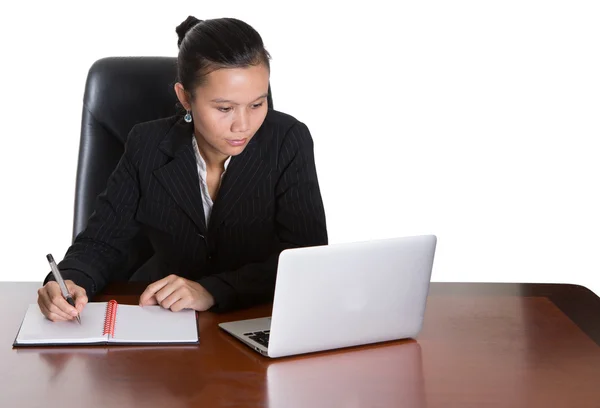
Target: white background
(473, 120)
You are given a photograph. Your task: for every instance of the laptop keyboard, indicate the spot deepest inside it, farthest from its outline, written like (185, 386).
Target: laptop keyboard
(261, 337)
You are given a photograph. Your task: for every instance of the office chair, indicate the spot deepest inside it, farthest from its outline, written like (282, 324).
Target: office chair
(119, 93)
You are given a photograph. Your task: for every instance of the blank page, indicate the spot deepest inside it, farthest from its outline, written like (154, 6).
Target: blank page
(154, 324)
(37, 329)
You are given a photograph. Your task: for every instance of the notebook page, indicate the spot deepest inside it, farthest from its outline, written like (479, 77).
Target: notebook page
(36, 329)
(154, 324)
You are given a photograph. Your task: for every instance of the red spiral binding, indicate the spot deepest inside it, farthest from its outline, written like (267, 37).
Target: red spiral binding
(110, 317)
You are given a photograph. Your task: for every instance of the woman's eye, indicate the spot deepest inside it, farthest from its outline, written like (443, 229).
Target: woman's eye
(257, 105)
(224, 109)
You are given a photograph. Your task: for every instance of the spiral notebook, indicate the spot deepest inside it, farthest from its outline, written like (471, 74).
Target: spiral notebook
(105, 323)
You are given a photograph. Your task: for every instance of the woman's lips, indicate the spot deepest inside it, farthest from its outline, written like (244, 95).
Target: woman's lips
(236, 142)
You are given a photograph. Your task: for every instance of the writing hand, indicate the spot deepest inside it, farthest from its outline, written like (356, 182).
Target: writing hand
(55, 307)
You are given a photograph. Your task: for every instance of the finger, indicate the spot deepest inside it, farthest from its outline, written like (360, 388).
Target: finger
(80, 302)
(152, 289)
(48, 314)
(53, 308)
(58, 302)
(175, 296)
(181, 304)
(79, 295)
(151, 301)
(45, 300)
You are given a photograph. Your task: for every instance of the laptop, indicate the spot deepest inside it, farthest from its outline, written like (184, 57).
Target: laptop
(343, 295)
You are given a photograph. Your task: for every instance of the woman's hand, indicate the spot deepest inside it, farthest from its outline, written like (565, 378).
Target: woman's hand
(176, 293)
(55, 307)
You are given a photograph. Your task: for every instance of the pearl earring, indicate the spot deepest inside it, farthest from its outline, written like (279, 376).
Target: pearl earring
(188, 117)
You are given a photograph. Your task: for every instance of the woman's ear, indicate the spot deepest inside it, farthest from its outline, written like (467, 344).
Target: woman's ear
(183, 96)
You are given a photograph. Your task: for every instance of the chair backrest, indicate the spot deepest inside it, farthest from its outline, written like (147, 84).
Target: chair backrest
(119, 93)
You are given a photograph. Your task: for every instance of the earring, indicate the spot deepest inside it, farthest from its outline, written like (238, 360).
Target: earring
(188, 117)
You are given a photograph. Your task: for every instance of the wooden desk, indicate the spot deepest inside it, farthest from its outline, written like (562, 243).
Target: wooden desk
(482, 345)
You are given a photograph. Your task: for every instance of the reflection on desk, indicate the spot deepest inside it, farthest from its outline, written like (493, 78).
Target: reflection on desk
(116, 375)
(390, 375)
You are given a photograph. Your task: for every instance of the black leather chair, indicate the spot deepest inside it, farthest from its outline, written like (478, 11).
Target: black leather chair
(119, 93)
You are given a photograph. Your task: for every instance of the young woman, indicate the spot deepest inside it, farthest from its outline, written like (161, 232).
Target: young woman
(220, 191)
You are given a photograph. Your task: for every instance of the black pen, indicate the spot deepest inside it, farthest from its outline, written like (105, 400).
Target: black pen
(61, 283)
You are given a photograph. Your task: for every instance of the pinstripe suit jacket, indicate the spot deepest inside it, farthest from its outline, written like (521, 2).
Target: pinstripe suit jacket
(269, 200)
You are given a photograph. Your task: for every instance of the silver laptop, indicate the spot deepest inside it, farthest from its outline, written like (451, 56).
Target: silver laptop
(343, 295)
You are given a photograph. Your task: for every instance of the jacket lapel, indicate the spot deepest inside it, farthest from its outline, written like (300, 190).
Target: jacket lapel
(180, 176)
(243, 173)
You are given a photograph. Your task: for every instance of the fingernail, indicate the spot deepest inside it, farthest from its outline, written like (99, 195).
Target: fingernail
(74, 312)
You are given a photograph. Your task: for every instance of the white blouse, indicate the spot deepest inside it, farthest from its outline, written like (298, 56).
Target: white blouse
(207, 202)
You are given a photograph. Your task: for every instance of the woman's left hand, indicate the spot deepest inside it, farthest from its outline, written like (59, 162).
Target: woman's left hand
(176, 293)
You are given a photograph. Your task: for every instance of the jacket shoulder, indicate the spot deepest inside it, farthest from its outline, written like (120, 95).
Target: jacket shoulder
(280, 121)
(150, 130)
(280, 127)
(145, 137)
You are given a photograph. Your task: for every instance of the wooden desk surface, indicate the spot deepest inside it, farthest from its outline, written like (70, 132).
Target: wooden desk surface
(482, 345)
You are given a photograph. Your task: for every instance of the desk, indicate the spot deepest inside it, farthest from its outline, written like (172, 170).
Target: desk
(482, 345)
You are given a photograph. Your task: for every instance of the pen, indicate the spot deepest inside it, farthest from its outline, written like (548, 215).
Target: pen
(61, 283)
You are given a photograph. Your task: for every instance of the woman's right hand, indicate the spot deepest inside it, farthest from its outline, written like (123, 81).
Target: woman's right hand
(55, 307)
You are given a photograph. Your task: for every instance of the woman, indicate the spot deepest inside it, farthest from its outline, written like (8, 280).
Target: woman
(220, 191)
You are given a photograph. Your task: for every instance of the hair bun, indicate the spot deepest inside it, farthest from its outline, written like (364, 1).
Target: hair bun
(184, 27)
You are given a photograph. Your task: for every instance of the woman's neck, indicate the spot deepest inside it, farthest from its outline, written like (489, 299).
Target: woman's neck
(214, 159)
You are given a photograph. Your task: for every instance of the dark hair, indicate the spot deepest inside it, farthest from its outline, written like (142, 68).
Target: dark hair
(205, 46)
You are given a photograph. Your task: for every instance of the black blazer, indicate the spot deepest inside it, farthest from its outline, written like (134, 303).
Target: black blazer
(269, 200)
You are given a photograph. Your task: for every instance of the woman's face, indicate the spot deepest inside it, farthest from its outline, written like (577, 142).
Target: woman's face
(228, 108)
